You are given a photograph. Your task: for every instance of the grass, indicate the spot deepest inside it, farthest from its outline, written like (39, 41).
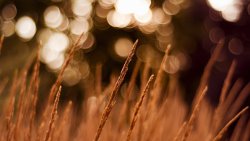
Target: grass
(108, 117)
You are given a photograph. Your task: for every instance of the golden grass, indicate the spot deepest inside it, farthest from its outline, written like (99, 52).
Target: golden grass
(153, 117)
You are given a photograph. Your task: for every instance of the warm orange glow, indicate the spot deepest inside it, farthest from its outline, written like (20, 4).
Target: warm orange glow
(8, 28)
(123, 46)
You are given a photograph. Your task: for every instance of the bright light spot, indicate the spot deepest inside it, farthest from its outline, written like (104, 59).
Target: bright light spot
(125, 6)
(25, 28)
(141, 7)
(53, 17)
(132, 6)
(52, 51)
(82, 7)
(144, 18)
(48, 55)
(57, 63)
(220, 5)
(57, 41)
(78, 27)
(232, 13)
(8, 28)
(231, 9)
(117, 19)
(123, 46)
(9, 12)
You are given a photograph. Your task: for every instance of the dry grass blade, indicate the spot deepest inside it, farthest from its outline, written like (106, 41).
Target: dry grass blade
(53, 114)
(223, 107)
(1, 42)
(224, 129)
(20, 103)
(155, 94)
(137, 108)
(9, 117)
(111, 101)
(178, 136)
(193, 115)
(239, 128)
(227, 81)
(132, 80)
(246, 134)
(3, 83)
(33, 88)
(239, 101)
(128, 92)
(208, 68)
(64, 66)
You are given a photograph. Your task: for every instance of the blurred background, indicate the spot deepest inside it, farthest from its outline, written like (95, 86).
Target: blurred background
(109, 28)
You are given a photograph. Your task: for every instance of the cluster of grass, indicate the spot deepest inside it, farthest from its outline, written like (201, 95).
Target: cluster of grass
(106, 117)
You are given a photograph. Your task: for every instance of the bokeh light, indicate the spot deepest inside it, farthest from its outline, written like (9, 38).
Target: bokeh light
(8, 28)
(144, 18)
(25, 27)
(82, 7)
(220, 5)
(9, 12)
(235, 46)
(78, 27)
(58, 41)
(71, 76)
(117, 19)
(123, 46)
(56, 64)
(170, 8)
(230, 9)
(139, 7)
(172, 64)
(53, 17)
(54, 44)
(48, 55)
